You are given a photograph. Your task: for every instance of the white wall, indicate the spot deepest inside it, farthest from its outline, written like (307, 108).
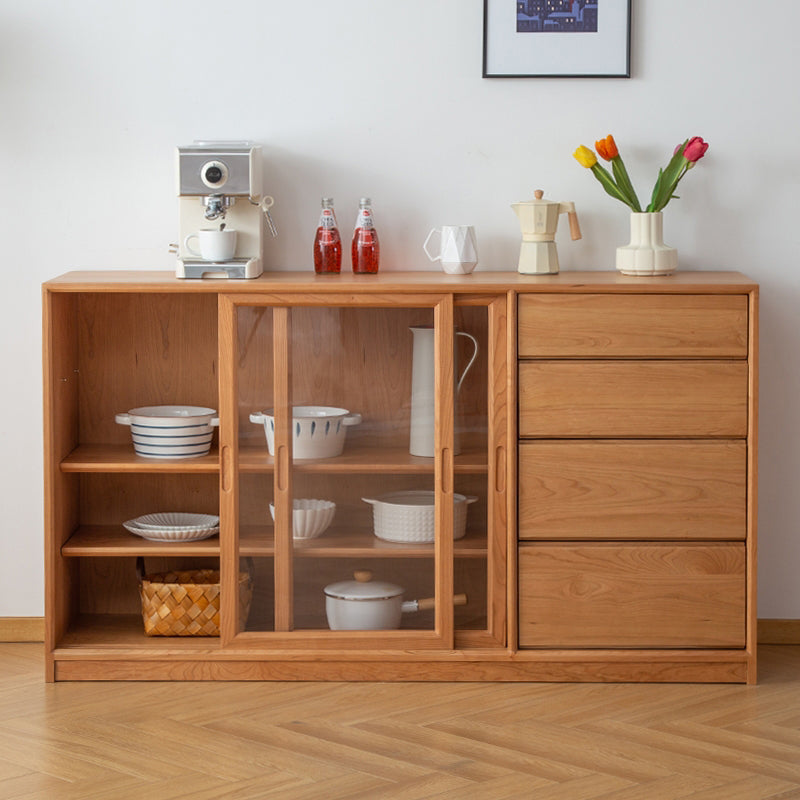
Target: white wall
(386, 98)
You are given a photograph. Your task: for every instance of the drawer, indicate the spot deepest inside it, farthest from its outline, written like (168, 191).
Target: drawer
(623, 489)
(632, 595)
(642, 325)
(649, 399)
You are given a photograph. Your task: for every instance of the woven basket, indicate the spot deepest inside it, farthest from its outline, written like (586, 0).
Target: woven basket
(186, 602)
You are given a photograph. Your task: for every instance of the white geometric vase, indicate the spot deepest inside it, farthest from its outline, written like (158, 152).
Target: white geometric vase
(647, 254)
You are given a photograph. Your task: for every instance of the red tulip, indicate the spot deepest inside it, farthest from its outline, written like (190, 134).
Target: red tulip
(695, 149)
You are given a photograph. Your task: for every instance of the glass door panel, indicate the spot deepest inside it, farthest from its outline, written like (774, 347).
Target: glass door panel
(329, 397)
(355, 383)
(254, 370)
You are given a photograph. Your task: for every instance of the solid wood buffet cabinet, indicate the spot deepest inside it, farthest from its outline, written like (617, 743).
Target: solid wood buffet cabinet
(606, 429)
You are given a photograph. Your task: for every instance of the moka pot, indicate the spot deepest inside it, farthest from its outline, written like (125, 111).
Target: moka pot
(538, 219)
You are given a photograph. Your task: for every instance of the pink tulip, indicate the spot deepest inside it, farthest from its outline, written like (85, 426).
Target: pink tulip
(695, 149)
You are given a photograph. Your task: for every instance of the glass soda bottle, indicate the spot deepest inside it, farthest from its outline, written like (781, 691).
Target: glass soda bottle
(365, 250)
(327, 242)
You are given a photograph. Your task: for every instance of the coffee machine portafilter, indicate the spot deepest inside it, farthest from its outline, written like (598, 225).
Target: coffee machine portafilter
(220, 188)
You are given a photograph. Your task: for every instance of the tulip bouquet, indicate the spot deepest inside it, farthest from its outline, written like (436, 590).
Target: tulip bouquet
(618, 184)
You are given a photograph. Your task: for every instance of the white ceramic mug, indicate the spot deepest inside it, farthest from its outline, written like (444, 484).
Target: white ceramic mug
(458, 250)
(215, 245)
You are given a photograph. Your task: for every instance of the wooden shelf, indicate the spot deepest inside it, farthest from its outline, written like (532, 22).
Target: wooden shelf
(125, 632)
(113, 540)
(391, 460)
(259, 541)
(395, 461)
(99, 541)
(121, 458)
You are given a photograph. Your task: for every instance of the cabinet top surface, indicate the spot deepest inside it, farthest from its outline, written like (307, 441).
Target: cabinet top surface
(481, 281)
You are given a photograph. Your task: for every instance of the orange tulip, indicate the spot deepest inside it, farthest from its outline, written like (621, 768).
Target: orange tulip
(607, 148)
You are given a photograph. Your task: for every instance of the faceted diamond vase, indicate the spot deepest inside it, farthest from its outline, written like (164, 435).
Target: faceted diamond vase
(647, 254)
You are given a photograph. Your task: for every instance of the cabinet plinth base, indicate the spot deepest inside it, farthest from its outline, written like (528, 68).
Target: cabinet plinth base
(580, 666)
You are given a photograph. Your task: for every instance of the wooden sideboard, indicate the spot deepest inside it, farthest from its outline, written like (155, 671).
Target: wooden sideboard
(607, 429)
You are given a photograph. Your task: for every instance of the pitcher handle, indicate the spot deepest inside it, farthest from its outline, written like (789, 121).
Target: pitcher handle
(425, 246)
(471, 361)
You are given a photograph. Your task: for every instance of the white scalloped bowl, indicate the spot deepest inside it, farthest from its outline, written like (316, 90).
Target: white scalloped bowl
(310, 518)
(176, 519)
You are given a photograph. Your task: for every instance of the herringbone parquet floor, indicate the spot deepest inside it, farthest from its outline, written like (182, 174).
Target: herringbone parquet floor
(315, 741)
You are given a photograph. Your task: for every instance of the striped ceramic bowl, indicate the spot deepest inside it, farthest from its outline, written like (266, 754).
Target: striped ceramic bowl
(170, 431)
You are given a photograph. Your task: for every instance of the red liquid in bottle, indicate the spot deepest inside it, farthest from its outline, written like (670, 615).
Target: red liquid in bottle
(327, 242)
(365, 250)
(327, 250)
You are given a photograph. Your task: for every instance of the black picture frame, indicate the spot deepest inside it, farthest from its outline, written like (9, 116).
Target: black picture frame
(556, 51)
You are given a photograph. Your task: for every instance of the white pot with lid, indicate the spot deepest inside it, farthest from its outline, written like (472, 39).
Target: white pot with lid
(366, 605)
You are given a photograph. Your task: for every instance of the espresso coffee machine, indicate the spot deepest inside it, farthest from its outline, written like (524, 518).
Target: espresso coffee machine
(220, 189)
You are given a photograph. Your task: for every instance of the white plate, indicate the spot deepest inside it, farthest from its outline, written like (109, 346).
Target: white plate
(171, 535)
(168, 520)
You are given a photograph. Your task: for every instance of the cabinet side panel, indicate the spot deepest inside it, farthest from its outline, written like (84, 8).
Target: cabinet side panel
(752, 490)
(60, 381)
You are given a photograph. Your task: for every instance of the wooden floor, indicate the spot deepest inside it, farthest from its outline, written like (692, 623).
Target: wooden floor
(398, 741)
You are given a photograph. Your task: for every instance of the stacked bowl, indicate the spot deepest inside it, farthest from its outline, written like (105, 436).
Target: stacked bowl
(170, 431)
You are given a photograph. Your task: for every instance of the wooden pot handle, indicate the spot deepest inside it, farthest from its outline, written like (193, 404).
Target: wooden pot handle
(430, 602)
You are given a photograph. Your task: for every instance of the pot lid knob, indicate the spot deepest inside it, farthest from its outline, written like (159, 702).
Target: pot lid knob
(363, 575)
(538, 194)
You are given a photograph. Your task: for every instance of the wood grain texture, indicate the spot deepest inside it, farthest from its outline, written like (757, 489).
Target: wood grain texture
(637, 398)
(22, 629)
(752, 473)
(113, 336)
(307, 740)
(620, 326)
(779, 631)
(632, 595)
(142, 351)
(622, 489)
(389, 281)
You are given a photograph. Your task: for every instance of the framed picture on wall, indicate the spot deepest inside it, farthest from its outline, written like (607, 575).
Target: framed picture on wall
(556, 38)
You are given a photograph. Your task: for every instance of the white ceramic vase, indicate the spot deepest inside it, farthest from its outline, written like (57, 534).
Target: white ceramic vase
(647, 254)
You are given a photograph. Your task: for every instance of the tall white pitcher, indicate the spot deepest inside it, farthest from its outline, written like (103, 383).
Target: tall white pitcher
(423, 389)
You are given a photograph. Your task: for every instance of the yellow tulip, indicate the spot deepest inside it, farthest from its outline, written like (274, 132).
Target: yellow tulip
(585, 157)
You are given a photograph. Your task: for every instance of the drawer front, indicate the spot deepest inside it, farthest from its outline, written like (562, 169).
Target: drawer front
(651, 399)
(632, 595)
(608, 326)
(622, 489)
